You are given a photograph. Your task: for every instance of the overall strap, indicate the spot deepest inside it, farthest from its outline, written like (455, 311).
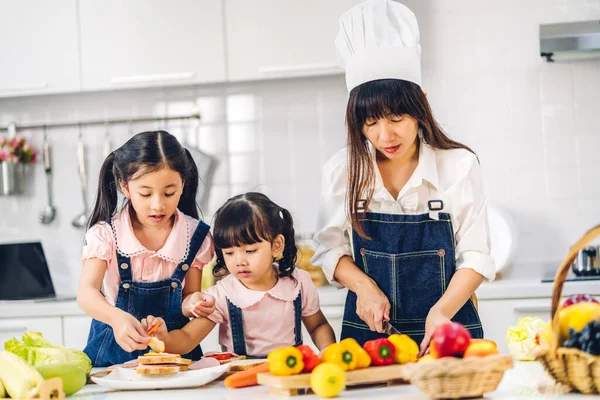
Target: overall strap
(237, 329)
(298, 319)
(195, 243)
(123, 262)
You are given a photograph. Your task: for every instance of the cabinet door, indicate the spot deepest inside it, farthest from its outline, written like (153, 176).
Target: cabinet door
(76, 330)
(274, 38)
(38, 47)
(50, 327)
(138, 43)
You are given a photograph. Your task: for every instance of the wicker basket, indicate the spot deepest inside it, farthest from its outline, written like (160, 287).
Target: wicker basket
(574, 368)
(453, 378)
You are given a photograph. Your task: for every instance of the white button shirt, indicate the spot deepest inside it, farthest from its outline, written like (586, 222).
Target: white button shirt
(454, 176)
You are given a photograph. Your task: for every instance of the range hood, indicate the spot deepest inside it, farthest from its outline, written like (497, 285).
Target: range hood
(570, 41)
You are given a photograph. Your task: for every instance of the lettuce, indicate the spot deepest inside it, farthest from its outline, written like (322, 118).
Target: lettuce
(521, 339)
(38, 351)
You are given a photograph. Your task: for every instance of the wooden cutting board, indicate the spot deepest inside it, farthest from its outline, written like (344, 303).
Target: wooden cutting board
(300, 384)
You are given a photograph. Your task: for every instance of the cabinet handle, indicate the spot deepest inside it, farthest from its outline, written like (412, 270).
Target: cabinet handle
(528, 308)
(25, 88)
(322, 67)
(16, 328)
(177, 76)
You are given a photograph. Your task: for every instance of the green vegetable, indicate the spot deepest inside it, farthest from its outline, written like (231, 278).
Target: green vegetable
(521, 339)
(38, 351)
(2, 390)
(21, 380)
(73, 377)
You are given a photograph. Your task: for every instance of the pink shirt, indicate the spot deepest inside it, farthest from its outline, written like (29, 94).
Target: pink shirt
(103, 243)
(268, 317)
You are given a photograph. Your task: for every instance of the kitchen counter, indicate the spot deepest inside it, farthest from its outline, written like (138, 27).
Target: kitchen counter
(526, 380)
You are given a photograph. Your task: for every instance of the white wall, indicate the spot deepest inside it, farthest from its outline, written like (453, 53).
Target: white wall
(534, 126)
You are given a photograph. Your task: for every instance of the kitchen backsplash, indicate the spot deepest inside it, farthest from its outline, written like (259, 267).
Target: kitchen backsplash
(534, 126)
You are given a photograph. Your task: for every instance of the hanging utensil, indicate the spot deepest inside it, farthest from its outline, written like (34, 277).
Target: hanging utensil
(48, 213)
(80, 220)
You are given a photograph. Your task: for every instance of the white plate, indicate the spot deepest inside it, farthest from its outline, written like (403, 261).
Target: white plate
(128, 379)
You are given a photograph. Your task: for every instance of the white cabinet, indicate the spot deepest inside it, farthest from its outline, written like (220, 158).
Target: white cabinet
(274, 38)
(141, 43)
(50, 327)
(38, 47)
(75, 331)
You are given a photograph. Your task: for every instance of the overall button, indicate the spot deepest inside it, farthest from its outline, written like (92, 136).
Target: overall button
(174, 285)
(124, 266)
(441, 252)
(185, 267)
(126, 286)
(362, 252)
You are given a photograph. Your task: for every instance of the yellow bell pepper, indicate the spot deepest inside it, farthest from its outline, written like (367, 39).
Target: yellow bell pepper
(285, 361)
(341, 355)
(363, 359)
(407, 349)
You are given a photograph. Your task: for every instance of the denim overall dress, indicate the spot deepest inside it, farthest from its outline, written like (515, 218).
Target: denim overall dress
(140, 299)
(411, 258)
(237, 327)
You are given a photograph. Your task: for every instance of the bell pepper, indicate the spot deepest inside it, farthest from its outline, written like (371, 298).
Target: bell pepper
(310, 359)
(341, 355)
(382, 351)
(285, 361)
(363, 358)
(407, 349)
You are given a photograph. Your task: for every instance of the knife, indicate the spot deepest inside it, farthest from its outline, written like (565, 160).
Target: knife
(389, 328)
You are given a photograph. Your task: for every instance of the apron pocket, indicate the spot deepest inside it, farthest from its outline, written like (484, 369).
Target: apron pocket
(380, 267)
(149, 301)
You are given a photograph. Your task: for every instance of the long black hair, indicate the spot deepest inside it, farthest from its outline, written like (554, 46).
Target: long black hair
(378, 99)
(252, 218)
(143, 153)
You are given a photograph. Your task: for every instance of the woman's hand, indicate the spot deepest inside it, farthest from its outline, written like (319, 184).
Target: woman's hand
(372, 305)
(434, 319)
(198, 304)
(129, 333)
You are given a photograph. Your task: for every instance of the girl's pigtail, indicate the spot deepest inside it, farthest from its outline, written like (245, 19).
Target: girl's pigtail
(287, 263)
(106, 197)
(187, 201)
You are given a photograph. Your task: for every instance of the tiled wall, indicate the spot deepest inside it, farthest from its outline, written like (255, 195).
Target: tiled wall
(534, 126)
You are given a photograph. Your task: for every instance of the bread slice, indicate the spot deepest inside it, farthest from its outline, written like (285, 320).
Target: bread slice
(162, 369)
(242, 365)
(163, 358)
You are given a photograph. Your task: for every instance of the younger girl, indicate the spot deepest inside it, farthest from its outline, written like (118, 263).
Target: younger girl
(144, 257)
(262, 302)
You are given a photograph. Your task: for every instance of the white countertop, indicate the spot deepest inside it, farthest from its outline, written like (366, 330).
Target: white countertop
(526, 380)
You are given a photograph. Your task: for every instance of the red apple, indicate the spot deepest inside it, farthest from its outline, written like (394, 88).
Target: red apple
(450, 340)
(578, 298)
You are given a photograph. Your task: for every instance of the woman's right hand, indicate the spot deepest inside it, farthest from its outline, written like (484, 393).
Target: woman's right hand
(372, 305)
(129, 333)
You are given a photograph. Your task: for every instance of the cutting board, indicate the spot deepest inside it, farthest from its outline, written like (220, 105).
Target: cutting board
(300, 384)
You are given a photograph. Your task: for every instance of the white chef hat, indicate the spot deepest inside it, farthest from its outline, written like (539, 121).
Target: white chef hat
(379, 39)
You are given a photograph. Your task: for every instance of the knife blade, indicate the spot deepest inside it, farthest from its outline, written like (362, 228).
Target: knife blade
(389, 328)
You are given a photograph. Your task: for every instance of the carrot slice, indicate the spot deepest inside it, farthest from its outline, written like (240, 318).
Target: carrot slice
(246, 378)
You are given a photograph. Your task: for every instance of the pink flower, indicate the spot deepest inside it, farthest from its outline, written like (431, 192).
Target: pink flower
(2, 155)
(26, 147)
(12, 158)
(14, 142)
(33, 156)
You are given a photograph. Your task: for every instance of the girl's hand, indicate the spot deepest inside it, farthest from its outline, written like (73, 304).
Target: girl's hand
(161, 330)
(372, 306)
(198, 304)
(434, 319)
(129, 333)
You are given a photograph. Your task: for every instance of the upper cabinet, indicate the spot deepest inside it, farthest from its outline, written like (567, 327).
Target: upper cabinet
(38, 47)
(141, 43)
(274, 38)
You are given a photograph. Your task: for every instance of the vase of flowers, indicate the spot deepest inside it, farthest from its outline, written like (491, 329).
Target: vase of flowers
(15, 155)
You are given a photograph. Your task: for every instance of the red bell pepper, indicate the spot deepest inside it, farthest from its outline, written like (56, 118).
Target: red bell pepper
(310, 359)
(382, 351)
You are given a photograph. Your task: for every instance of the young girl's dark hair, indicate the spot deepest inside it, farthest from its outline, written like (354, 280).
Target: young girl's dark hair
(379, 99)
(143, 153)
(251, 218)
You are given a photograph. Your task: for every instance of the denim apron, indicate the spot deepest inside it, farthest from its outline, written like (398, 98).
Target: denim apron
(411, 258)
(237, 327)
(140, 299)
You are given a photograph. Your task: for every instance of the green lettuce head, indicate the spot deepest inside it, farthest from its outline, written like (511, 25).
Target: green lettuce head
(521, 339)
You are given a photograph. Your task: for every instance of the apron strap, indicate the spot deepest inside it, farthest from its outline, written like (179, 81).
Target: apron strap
(298, 319)
(237, 329)
(195, 243)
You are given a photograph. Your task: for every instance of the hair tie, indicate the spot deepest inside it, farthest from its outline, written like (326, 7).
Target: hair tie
(281, 213)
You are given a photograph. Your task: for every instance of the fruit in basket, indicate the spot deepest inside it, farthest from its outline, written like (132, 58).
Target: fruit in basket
(577, 316)
(578, 298)
(327, 380)
(449, 340)
(407, 349)
(588, 339)
(481, 348)
(426, 357)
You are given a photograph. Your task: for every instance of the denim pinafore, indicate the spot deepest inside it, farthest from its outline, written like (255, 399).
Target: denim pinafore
(140, 299)
(411, 258)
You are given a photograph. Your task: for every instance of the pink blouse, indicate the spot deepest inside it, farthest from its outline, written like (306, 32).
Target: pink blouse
(103, 243)
(268, 317)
